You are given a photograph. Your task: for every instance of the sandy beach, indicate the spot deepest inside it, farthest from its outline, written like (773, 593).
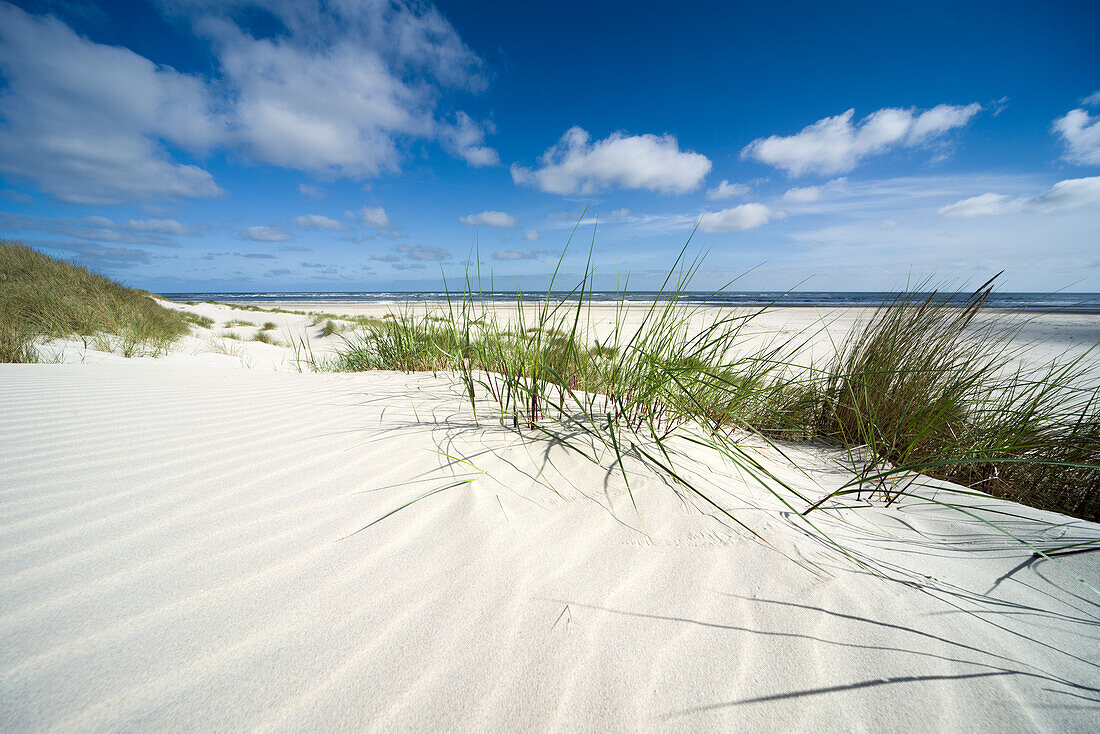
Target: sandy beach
(215, 541)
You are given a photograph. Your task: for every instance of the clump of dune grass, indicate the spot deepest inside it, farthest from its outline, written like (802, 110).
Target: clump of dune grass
(43, 298)
(269, 325)
(329, 329)
(930, 386)
(937, 385)
(203, 322)
(265, 337)
(238, 322)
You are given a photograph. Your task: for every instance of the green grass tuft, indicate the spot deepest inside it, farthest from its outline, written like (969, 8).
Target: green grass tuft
(931, 385)
(44, 298)
(204, 322)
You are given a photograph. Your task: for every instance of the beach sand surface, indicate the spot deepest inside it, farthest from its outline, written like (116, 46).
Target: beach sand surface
(217, 542)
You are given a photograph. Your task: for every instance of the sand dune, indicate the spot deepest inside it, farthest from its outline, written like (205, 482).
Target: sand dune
(186, 545)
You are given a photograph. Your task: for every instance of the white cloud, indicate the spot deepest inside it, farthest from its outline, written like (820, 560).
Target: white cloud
(804, 195)
(1093, 100)
(430, 253)
(348, 81)
(982, 205)
(489, 219)
(310, 190)
(811, 194)
(576, 165)
(1065, 195)
(466, 138)
(317, 221)
(85, 121)
(157, 226)
(532, 235)
(1080, 133)
(836, 145)
(514, 255)
(726, 190)
(98, 228)
(746, 216)
(370, 216)
(267, 234)
(339, 92)
(619, 214)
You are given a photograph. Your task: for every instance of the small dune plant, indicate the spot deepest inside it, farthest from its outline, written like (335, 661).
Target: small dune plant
(203, 322)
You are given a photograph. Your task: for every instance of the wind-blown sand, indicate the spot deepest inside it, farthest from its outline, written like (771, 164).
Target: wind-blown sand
(189, 545)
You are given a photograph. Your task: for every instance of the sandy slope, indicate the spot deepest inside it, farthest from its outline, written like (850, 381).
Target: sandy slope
(187, 545)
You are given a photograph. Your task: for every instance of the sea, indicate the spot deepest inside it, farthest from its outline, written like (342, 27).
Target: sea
(1085, 303)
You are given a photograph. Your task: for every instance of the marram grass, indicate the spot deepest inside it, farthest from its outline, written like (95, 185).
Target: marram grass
(44, 298)
(929, 385)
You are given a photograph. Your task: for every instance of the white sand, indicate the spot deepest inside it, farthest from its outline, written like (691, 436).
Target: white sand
(179, 551)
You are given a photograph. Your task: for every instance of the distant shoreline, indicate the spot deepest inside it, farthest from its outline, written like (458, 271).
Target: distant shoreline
(1076, 303)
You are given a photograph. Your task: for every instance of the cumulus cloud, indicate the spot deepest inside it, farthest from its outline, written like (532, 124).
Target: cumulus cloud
(339, 90)
(86, 122)
(576, 165)
(489, 219)
(310, 190)
(317, 221)
(532, 235)
(1065, 195)
(1080, 134)
(370, 216)
(837, 144)
(726, 190)
(466, 140)
(346, 82)
(267, 234)
(746, 216)
(384, 257)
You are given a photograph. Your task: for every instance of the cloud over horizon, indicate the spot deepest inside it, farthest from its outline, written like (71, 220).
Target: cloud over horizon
(1062, 196)
(489, 219)
(267, 234)
(577, 165)
(836, 145)
(746, 216)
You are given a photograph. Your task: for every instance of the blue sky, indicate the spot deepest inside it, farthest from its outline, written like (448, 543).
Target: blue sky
(209, 146)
